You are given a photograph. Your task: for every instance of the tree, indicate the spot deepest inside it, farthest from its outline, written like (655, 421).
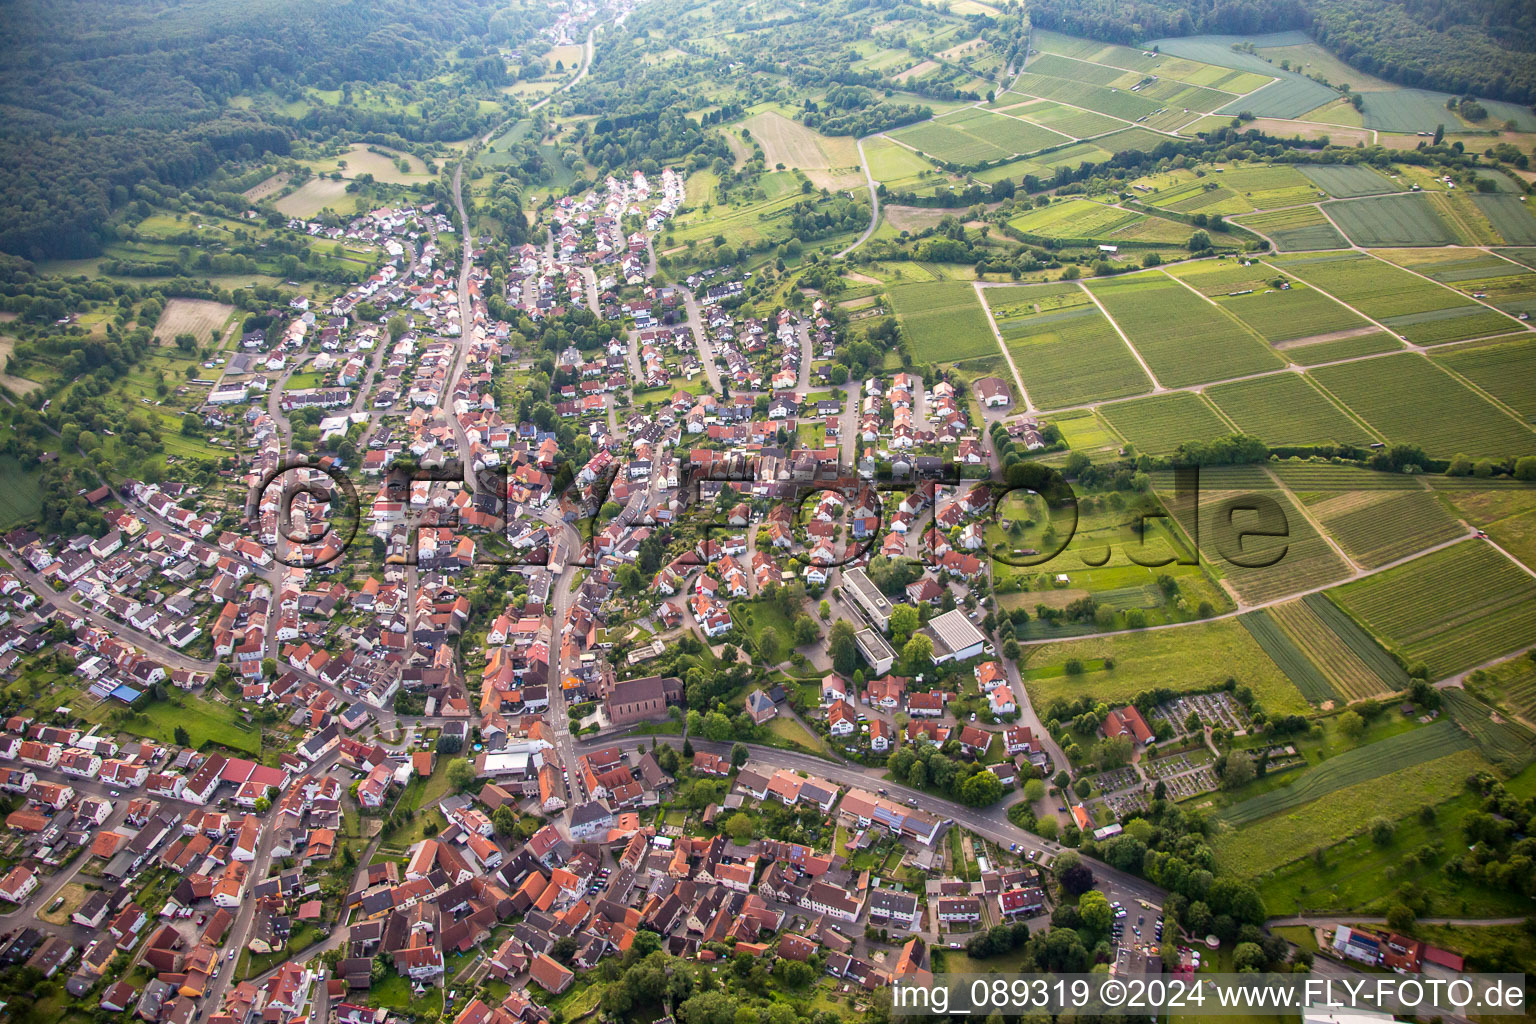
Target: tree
(1400, 917)
(768, 646)
(980, 790)
(1238, 771)
(739, 827)
(1351, 724)
(1382, 831)
(182, 737)
(1199, 241)
(805, 631)
(460, 774)
(904, 622)
(397, 326)
(1034, 790)
(505, 820)
(1249, 957)
(1095, 912)
(841, 647)
(1011, 649)
(919, 652)
(739, 755)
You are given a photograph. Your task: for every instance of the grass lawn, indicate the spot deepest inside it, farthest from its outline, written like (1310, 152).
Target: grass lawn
(788, 732)
(752, 617)
(394, 992)
(205, 721)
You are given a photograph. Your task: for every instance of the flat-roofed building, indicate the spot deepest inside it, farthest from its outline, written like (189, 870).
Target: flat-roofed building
(876, 650)
(863, 592)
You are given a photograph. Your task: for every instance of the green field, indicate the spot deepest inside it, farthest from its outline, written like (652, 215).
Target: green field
(1066, 351)
(1295, 230)
(1285, 409)
(1354, 664)
(1193, 657)
(22, 500)
(1406, 398)
(1404, 302)
(1507, 744)
(1079, 124)
(1510, 217)
(1350, 768)
(1159, 424)
(1506, 509)
(943, 321)
(1260, 566)
(1253, 295)
(1184, 339)
(1507, 371)
(1348, 181)
(1451, 610)
(1377, 527)
(1283, 652)
(1377, 222)
(1083, 219)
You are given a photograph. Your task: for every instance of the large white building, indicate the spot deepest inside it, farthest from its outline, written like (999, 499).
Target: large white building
(955, 637)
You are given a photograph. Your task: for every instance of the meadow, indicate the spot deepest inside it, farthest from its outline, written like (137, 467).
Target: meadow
(1355, 665)
(1194, 657)
(829, 162)
(1452, 609)
(1158, 424)
(943, 321)
(21, 501)
(315, 195)
(197, 317)
(1285, 409)
(1361, 764)
(1184, 339)
(1260, 847)
(1066, 351)
(1408, 399)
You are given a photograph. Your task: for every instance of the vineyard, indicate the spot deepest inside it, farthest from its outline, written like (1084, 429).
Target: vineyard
(1377, 527)
(1511, 685)
(1285, 409)
(1159, 424)
(1504, 371)
(943, 321)
(1296, 230)
(1299, 560)
(1298, 669)
(1348, 181)
(1355, 666)
(1408, 399)
(1067, 353)
(1183, 338)
(1452, 609)
(1351, 767)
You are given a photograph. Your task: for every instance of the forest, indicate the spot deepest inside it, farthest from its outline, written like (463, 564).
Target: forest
(101, 96)
(1483, 47)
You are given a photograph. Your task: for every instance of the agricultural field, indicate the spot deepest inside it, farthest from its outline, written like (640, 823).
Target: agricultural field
(1402, 301)
(1266, 565)
(1123, 104)
(1080, 124)
(943, 321)
(1509, 685)
(1507, 744)
(1157, 425)
(1193, 657)
(1406, 398)
(830, 162)
(359, 159)
(1343, 345)
(197, 317)
(1452, 609)
(1379, 526)
(949, 145)
(896, 165)
(1380, 221)
(1298, 229)
(1250, 294)
(1505, 370)
(1362, 764)
(1347, 877)
(1088, 222)
(315, 195)
(1355, 665)
(1184, 339)
(1506, 509)
(1283, 652)
(1348, 181)
(1066, 351)
(1512, 218)
(1285, 409)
